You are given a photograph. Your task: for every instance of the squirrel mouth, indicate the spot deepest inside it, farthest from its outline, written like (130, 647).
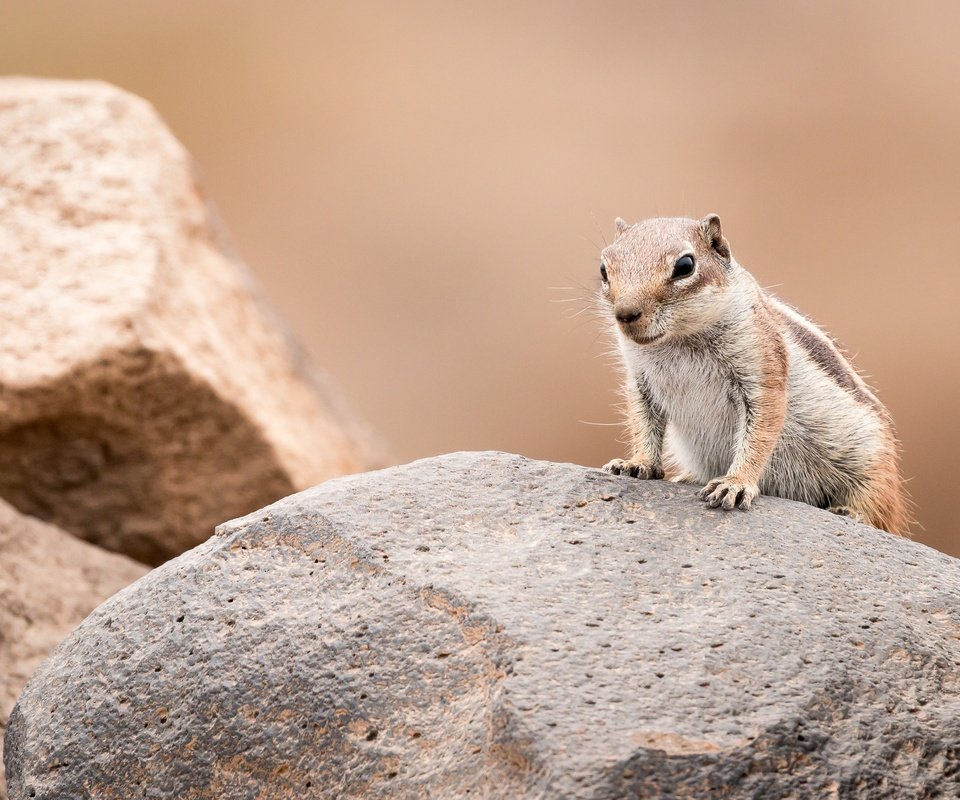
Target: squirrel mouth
(646, 339)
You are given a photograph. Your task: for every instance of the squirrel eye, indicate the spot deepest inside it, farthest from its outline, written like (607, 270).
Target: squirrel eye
(683, 267)
(603, 272)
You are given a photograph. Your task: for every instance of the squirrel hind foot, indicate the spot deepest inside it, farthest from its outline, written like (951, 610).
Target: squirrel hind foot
(846, 511)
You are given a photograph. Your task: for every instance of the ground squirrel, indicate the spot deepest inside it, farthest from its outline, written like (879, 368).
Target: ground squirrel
(750, 395)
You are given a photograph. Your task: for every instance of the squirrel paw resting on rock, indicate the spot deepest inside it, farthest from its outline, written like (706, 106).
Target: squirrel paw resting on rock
(745, 394)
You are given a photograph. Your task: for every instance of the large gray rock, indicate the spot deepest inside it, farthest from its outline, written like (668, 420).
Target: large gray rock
(146, 393)
(486, 625)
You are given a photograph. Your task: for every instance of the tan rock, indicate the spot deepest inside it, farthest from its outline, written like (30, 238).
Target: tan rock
(49, 581)
(146, 394)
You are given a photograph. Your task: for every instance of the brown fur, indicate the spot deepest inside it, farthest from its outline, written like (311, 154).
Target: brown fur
(883, 503)
(770, 411)
(825, 354)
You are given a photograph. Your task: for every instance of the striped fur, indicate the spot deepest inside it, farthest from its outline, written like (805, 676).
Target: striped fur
(745, 394)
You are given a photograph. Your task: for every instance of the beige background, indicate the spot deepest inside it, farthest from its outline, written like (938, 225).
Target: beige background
(420, 186)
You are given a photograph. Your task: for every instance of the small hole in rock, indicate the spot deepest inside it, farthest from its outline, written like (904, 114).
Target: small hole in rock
(372, 734)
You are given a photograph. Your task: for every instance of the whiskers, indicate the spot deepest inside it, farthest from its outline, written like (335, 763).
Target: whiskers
(582, 301)
(603, 238)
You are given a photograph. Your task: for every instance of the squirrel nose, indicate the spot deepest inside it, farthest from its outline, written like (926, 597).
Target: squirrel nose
(628, 315)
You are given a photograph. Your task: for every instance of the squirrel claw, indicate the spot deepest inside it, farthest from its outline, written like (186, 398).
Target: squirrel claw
(729, 493)
(634, 469)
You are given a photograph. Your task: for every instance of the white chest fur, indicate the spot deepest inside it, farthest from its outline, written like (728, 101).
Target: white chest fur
(696, 391)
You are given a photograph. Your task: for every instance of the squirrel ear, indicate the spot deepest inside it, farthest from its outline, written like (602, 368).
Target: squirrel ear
(710, 226)
(622, 225)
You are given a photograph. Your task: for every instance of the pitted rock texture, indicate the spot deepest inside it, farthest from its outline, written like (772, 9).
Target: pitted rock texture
(145, 392)
(483, 625)
(49, 581)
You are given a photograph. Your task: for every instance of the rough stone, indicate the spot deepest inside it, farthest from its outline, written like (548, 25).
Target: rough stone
(484, 625)
(49, 581)
(146, 394)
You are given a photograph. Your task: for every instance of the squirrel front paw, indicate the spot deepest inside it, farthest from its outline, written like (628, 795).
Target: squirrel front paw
(729, 492)
(635, 469)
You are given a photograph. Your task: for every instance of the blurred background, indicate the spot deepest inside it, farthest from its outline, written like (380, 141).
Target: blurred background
(423, 187)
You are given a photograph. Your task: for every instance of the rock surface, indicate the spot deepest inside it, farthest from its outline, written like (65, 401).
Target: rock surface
(484, 625)
(145, 393)
(49, 581)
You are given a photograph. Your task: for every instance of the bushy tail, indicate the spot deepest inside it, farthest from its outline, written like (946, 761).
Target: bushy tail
(885, 503)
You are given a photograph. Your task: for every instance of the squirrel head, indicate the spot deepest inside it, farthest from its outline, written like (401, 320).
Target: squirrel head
(666, 278)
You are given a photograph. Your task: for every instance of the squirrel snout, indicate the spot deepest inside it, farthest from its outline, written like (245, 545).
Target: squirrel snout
(627, 315)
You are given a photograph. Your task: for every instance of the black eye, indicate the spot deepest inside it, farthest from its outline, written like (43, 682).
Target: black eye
(683, 267)
(603, 272)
